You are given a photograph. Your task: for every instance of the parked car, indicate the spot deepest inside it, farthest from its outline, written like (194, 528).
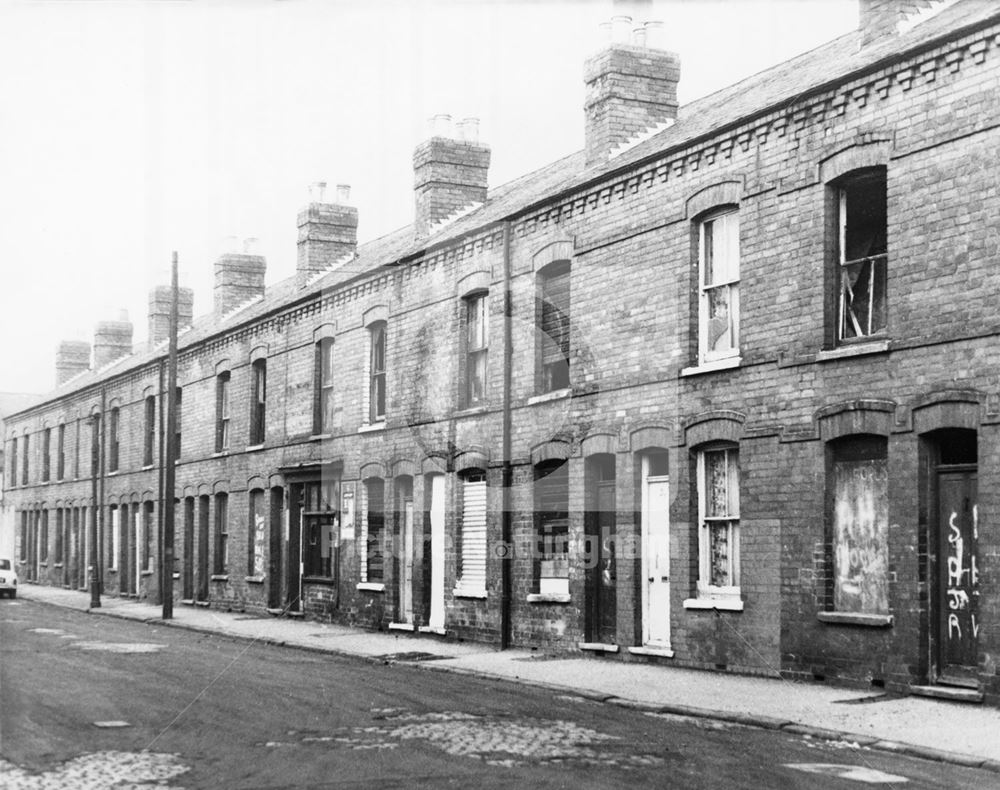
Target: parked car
(8, 578)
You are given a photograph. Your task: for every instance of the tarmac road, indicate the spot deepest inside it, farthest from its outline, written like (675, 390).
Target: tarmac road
(91, 702)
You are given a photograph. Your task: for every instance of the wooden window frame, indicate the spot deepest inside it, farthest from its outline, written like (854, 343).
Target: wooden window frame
(476, 323)
(729, 521)
(258, 402)
(377, 366)
(223, 394)
(728, 281)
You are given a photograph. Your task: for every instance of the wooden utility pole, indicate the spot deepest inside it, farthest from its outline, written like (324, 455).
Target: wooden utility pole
(169, 473)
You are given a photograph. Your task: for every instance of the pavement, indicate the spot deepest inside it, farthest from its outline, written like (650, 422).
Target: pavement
(946, 731)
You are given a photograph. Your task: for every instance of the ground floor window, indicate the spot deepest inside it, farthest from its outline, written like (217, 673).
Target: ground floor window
(320, 525)
(719, 521)
(472, 534)
(552, 527)
(373, 515)
(859, 493)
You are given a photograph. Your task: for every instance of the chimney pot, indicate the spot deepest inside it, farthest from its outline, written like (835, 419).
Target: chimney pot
(655, 35)
(621, 25)
(639, 37)
(317, 191)
(343, 194)
(440, 125)
(250, 245)
(470, 130)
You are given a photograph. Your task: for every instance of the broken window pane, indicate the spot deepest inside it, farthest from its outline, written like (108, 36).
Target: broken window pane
(863, 255)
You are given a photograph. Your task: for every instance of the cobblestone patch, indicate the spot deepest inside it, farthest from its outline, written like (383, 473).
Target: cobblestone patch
(497, 741)
(99, 771)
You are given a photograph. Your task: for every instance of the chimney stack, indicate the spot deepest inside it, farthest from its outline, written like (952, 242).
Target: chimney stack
(631, 87)
(239, 277)
(72, 358)
(327, 231)
(878, 19)
(449, 171)
(159, 312)
(112, 340)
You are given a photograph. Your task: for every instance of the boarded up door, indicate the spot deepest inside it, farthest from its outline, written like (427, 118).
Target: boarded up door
(958, 578)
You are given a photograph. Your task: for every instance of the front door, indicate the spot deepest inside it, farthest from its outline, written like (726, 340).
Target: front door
(957, 597)
(187, 583)
(405, 578)
(655, 559)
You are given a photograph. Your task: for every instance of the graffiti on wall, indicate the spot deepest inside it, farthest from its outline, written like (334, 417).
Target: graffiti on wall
(861, 536)
(963, 580)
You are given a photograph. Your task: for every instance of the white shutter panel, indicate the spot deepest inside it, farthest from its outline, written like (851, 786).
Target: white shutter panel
(473, 577)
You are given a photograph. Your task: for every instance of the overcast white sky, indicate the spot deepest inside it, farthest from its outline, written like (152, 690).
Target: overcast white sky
(130, 129)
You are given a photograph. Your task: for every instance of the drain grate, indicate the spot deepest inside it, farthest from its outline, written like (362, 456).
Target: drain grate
(415, 655)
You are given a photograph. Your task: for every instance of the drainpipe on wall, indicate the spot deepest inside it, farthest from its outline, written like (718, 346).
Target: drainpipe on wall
(100, 505)
(506, 564)
(161, 565)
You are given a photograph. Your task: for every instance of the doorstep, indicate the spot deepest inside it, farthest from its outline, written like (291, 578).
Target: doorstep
(950, 693)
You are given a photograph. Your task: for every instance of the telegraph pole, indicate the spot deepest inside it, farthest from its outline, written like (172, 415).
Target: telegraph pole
(169, 473)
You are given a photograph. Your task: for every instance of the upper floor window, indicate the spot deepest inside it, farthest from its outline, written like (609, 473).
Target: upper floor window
(376, 402)
(177, 422)
(719, 280)
(114, 440)
(95, 434)
(13, 461)
(719, 522)
(553, 321)
(149, 432)
(258, 401)
(61, 452)
(27, 460)
(46, 454)
(323, 420)
(862, 259)
(221, 553)
(477, 332)
(222, 412)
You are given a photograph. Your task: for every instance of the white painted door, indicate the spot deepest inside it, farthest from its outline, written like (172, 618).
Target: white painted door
(437, 510)
(655, 559)
(138, 531)
(406, 565)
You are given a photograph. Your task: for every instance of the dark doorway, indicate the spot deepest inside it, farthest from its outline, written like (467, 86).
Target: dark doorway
(202, 580)
(600, 528)
(275, 545)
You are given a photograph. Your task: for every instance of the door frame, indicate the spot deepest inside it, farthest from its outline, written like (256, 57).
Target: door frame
(645, 569)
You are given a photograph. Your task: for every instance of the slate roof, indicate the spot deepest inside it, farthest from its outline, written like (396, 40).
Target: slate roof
(827, 64)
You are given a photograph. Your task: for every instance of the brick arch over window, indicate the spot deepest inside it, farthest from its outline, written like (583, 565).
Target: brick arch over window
(372, 469)
(551, 451)
(473, 282)
(220, 487)
(471, 459)
(256, 482)
(725, 193)
(855, 417)
(374, 314)
(434, 463)
(599, 443)
(556, 251)
(948, 409)
(650, 437)
(402, 467)
(856, 157)
(714, 426)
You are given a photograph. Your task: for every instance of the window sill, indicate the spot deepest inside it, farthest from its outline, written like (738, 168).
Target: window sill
(853, 350)
(549, 598)
(176, 575)
(856, 618)
(112, 570)
(646, 650)
(220, 453)
(721, 604)
(306, 579)
(146, 573)
(432, 629)
(597, 647)
(146, 467)
(57, 565)
(708, 367)
(219, 577)
(113, 473)
(253, 579)
(252, 447)
(462, 592)
(402, 627)
(545, 397)
(372, 427)
(471, 411)
(371, 586)
(316, 437)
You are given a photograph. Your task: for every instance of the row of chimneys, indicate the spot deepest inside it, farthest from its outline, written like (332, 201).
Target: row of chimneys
(631, 87)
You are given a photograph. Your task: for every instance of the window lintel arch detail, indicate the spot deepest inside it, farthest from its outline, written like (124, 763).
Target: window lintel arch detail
(375, 314)
(222, 366)
(554, 450)
(599, 444)
(258, 353)
(434, 463)
(872, 417)
(476, 459)
(721, 425)
(402, 467)
(554, 252)
(372, 469)
(858, 156)
(650, 437)
(256, 483)
(476, 282)
(324, 332)
(220, 487)
(948, 409)
(725, 194)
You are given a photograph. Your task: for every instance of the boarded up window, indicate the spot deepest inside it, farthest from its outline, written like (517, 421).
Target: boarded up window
(258, 534)
(861, 526)
(472, 569)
